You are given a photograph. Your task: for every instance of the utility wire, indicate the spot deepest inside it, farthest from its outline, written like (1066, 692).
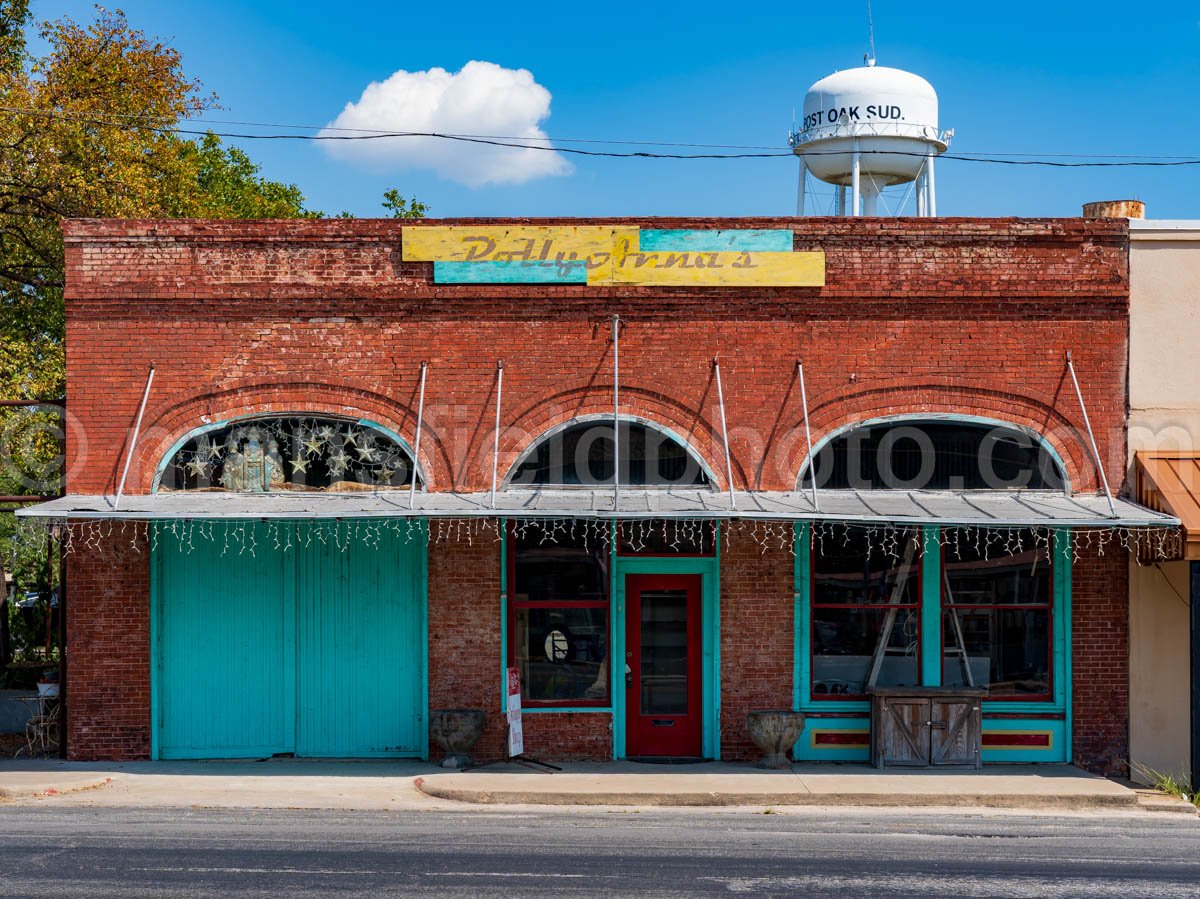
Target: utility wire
(518, 144)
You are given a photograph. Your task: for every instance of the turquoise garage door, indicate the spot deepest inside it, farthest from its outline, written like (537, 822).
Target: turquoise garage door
(317, 651)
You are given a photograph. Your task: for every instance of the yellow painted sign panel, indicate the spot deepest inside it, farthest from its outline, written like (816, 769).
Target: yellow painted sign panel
(598, 255)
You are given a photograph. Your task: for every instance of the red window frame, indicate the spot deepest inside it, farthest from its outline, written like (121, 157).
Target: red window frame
(514, 605)
(1048, 606)
(813, 605)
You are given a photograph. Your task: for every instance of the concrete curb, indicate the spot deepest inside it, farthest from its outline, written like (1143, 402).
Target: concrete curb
(14, 794)
(874, 800)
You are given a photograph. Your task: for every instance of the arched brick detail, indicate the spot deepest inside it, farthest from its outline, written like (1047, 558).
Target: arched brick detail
(174, 421)
(1037, 413)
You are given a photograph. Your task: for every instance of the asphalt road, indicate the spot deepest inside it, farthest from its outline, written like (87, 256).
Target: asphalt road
(49, 851)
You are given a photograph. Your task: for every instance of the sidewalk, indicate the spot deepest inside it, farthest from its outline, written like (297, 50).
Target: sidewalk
(410, 785)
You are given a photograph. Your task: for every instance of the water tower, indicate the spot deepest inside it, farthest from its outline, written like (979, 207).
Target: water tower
(868, 128)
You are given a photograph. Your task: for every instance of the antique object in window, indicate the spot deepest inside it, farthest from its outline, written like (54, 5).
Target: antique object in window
(289, 453)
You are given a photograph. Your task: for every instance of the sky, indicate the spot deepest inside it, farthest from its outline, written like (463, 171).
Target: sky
(1041, 78)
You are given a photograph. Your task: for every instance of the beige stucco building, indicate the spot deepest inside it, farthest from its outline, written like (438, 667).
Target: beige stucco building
(1164, 468)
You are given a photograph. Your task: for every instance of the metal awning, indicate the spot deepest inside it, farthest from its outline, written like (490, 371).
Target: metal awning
(973, 508)
(1169, 481)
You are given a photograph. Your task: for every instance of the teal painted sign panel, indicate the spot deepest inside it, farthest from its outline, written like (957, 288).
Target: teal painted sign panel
(693, 240)
(518, 271)
(318, 650)
(222, 682)
(359, 637)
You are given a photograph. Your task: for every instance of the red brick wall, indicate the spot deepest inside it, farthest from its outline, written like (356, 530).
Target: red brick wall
(1100, 643)
(948, 315)
(108, 649)
(757, 630)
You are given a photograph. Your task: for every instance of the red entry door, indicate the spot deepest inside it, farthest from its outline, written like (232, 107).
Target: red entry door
(662, 652)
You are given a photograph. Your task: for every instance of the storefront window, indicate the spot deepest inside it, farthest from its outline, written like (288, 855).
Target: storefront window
(289, 454)
(865, 612)
(558, 623)
(581, 455)
(997, 597)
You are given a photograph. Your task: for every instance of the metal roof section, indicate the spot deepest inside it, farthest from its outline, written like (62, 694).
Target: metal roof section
(1169, 481)
(968, 508)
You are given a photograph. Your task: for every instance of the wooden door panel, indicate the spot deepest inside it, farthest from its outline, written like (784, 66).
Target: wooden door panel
(954, 726)
(904, 738)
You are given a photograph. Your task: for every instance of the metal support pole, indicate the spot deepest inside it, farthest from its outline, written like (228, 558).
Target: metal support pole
(841, 199)
(1112, 508)
(812, 462)
(496, 429)
(1194, 572)
(922, 211)
(137, 428)
(855, 181)
(616, 341)
(930, 193)
(800, 187)
(870, 200)
(724, 434)
(412, 481)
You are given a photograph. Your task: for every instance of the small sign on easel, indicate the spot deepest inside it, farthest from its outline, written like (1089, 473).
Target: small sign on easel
(516, 736)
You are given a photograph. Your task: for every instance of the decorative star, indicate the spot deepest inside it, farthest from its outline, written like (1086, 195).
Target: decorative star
(326, 433)
(384, 475)
(196, 467)
(367, 453)
(313, 444)
(214, 450)
(338, 463)
(299, 465)
(349, 439)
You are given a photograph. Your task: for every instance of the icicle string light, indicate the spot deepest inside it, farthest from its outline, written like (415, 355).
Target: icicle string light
(667, 537)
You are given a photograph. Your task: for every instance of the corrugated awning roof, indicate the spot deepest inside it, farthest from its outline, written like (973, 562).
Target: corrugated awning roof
(1025, 508)
(1169, 481)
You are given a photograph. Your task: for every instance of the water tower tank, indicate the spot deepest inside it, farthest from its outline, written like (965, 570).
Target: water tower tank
(869, 128)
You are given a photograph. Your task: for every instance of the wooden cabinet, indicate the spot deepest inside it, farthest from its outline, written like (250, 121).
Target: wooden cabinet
(922, 726)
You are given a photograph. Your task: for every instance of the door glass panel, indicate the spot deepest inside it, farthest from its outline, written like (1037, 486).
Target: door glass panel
(664, 652)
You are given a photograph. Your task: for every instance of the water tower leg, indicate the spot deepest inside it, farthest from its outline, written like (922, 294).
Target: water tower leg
(920, 192)
(870, 195)
(855, 182)
(800, 188)
(931, 203)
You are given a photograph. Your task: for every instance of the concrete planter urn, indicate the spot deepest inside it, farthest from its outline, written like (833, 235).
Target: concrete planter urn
(456, 731)
(774, 733)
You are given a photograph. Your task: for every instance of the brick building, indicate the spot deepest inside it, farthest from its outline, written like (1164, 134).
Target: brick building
(375, 468)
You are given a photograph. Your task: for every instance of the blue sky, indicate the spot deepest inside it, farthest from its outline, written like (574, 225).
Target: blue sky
(1013, 77)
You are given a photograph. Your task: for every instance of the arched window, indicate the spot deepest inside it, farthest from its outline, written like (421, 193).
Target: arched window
(924, 454)
(581, 455)
(289, 453)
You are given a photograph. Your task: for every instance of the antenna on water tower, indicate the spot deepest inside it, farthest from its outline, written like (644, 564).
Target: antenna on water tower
(868, 128)
(870, 36)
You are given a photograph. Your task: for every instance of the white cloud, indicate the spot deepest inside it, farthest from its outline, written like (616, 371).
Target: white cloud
(482, 98)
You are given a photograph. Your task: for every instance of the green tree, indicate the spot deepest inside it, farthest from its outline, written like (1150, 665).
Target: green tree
(401, 207)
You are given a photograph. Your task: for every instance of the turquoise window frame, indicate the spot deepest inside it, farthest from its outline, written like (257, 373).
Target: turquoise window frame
(931, 649)
(709, 568)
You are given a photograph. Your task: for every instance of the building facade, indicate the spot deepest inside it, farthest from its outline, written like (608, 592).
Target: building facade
(364, 467)
(1164, 464)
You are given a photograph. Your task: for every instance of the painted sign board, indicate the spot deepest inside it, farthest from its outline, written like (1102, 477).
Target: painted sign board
(516, 735)
(606, 255)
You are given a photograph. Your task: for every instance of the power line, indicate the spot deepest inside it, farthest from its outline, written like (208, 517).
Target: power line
(518, 144)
